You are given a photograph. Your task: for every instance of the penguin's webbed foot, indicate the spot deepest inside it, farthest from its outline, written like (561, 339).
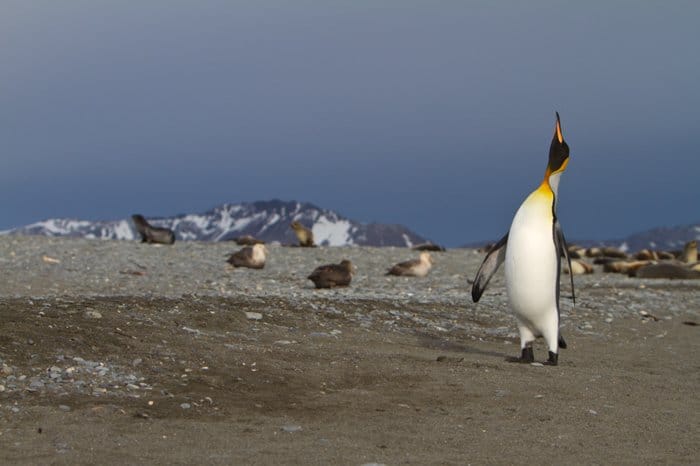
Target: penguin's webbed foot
(553, 359)
(526, 357)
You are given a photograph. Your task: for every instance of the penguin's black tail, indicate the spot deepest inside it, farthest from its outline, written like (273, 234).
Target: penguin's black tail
(562, 343)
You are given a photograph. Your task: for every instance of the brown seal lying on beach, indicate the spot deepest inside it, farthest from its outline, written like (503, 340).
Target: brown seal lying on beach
(332, 275)
(413, 268)
(252, 257)
(666, 270)
(151, 234)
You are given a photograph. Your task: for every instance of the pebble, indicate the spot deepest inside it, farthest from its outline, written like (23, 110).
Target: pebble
(253, 316)
(185, 406)
(92, 315)
(291, 428)
(64, 407)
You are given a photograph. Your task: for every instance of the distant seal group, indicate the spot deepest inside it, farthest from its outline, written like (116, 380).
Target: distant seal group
(532, 250)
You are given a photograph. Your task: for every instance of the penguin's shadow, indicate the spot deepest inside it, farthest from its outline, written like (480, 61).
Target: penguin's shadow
(430, 341)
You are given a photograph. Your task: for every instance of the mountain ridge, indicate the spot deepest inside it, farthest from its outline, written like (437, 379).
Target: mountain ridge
(267, 220)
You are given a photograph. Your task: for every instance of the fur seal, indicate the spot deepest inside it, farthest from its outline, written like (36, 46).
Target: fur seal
(614, 252)
(646, 255)
(247, 240)
(151, 234)
(665, 270)
(304, 235)
(576, 252)
(414, 267)
(666, 255)
(332, 275)
(578, 267)
(620, 266)
(690, 252)
(252, 257)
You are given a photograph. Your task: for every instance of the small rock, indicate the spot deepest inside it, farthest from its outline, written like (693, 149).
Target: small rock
(36, 385)
(185, 406)
(537, 364)
(593, 412)
(291, 428)
(92, 315)
(136, 362)
(253, 316)
(64, 407)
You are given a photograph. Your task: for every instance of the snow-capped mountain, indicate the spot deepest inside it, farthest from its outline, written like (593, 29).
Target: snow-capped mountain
(266, 220)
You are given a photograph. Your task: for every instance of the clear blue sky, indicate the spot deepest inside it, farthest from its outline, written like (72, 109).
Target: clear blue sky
(437, 114)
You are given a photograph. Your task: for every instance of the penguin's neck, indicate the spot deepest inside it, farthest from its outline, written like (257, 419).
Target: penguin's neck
(551, 184)
(553, 181)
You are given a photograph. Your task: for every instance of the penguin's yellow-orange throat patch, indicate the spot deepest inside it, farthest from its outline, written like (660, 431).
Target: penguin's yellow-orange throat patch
(545, 189)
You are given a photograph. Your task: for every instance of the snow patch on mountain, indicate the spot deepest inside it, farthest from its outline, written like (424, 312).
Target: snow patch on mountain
(332, 233)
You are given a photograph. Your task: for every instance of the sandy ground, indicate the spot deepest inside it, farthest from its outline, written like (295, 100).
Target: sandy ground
(340, 377)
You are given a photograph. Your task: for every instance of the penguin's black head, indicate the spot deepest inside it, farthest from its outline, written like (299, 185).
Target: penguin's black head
(558, 151)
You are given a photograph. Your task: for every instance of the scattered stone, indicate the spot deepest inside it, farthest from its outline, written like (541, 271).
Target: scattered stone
(449, 359)
(92, 315)
(291, 428)
(253, 316)
(64, 407)
(593, 412)
(185, 406)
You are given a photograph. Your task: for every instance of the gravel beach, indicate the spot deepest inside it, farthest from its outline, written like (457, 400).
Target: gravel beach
(119, 352)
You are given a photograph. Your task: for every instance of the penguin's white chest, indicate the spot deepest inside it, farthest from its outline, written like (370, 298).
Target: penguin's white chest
(531, 261)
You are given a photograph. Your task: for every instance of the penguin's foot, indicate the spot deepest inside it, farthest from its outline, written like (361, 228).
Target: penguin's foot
(526, 357)
(553, 359)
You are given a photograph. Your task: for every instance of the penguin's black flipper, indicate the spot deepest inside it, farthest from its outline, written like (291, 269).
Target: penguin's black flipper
(562, 342)
(493, 260)
(563, 250)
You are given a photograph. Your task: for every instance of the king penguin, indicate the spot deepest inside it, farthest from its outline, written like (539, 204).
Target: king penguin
(531, 250)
